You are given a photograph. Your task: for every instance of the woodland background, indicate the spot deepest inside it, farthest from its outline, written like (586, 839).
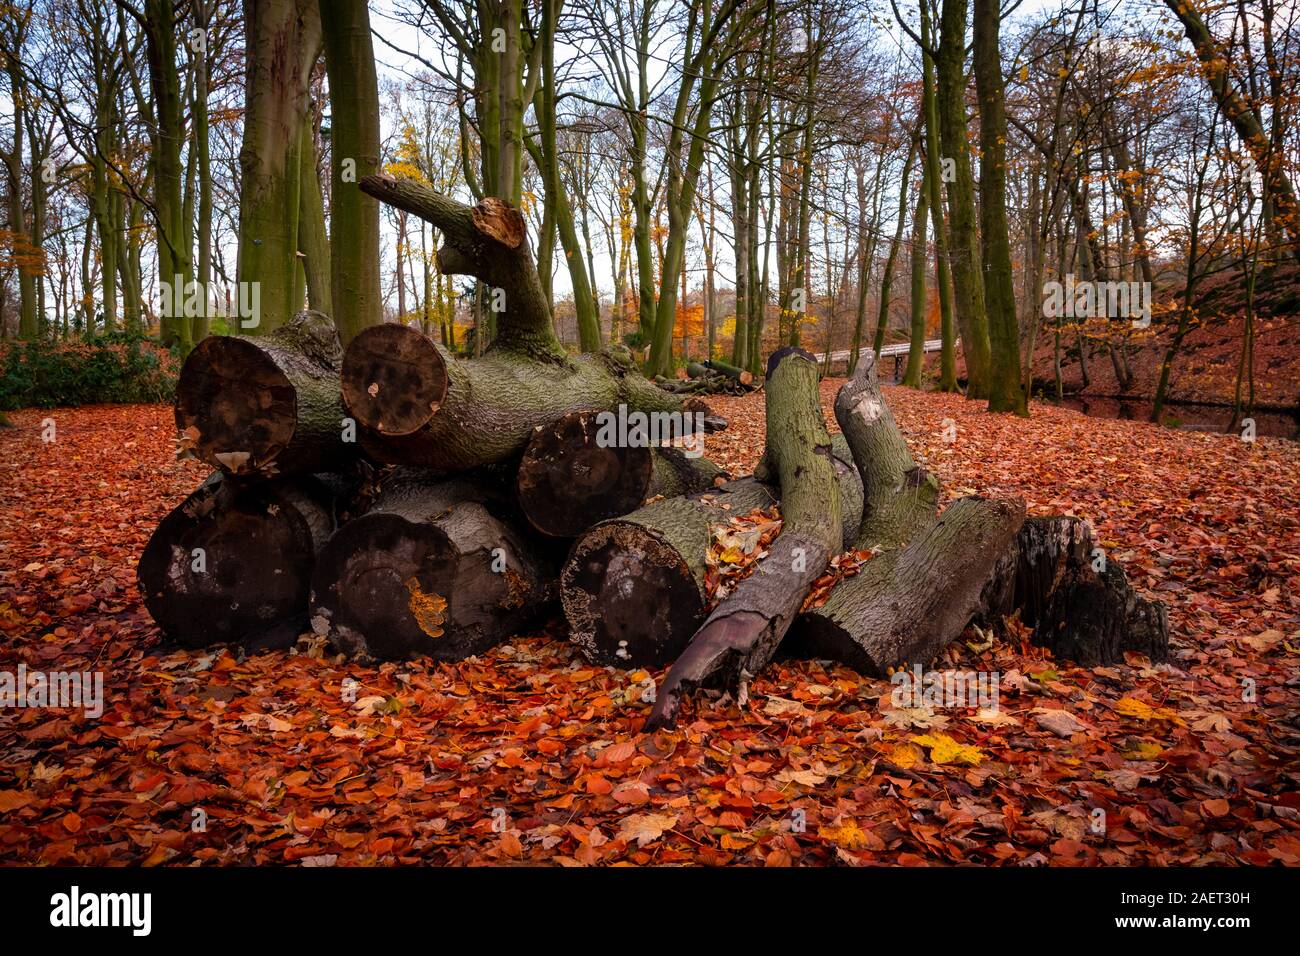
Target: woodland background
(699, 179)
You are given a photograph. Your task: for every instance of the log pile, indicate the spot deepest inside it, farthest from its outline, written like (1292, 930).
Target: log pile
(401, 501)
(710, 377)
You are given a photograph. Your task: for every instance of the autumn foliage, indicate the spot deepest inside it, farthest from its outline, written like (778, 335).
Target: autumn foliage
(530, 754)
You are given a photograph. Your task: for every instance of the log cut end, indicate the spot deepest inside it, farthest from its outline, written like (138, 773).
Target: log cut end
(227, 566)
(235, 408)
(569, 479)
(394, 379)
(630, 599)
(391, 588)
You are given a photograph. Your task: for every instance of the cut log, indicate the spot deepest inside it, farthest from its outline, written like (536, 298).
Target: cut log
(899, 497)
(738, 374)
(418, 405)
(907, 604)
(742, 633)
(489, 242)
(584, 469)
(429, 571)
(232, 563)
(1078, 601)
(635, 588)
(266, 405)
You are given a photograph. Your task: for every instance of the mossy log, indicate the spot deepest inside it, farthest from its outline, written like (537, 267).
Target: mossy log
(743, 632)
(980, 560)
(416, 404)
(432, 570)
(732, 372)
(266, 405)
(907, 604)
(233, 563)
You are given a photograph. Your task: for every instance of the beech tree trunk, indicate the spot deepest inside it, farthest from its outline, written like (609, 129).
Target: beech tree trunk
(431, 570)
(282, 43)
(233, 563)
(354, 152)
(266, 405)
(742, 634)
(1005, 393)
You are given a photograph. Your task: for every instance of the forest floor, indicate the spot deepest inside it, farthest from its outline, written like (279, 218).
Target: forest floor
(529, 754)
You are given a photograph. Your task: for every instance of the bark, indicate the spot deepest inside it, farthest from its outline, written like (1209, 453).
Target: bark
(1083, 609)
(899, 497)
(282, 42)
(636, 588)
(968, 289)
(354, 153)
(906, 605)
(313, 241)
(266, 405)
(586, 307)
(489, 242)
(1005, 393)
(204, 172)
(416, 404)
(742, 633)
(234, 563)
(933, 174)
(916, 344)
(174, 260)
(429, 571)
(575, 472)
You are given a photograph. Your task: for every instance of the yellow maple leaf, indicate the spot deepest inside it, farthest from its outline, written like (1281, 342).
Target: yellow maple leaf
(943, 749)
(1140, 710)
(848, 836)
(904, 756)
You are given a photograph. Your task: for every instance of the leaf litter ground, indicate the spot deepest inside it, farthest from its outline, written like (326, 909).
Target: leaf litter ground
(530, 754)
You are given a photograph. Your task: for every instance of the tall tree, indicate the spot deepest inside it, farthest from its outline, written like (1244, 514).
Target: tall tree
(1005, 393)
(282, 44)
(963, 245)
(354, 153)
